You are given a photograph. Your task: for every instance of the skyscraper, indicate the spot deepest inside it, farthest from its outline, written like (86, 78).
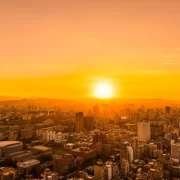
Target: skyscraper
(89, 123)
(168, 109)
(79, 126)
(144, 134)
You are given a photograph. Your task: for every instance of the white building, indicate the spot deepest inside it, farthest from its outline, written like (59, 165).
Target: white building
(108, 169)
(57, 137)
(130, 152)
(144, 134)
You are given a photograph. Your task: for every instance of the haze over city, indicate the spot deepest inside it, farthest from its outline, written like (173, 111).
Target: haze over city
(63, 49)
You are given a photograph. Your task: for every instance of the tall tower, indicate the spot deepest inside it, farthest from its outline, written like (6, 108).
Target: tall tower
(79, 126)
(144, 134)
(96, 113)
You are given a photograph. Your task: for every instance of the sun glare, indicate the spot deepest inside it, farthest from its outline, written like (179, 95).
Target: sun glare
(103, 90)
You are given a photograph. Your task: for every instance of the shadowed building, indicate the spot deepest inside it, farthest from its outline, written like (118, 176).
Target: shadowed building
(8, 173)
(63, 163)
(7, 147)
(89, 123)
(144, 134)
(79, 124)
(99, 170)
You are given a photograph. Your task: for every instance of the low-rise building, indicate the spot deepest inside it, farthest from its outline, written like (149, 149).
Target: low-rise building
(7, 147)
(37, 150)
(86, 153)
(7, 173)
(26, 167)
(63, 163)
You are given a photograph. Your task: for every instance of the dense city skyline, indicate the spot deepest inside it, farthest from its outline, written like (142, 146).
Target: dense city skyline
(51, 48)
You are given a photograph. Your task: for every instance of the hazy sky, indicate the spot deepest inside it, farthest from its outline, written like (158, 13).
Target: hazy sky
(59, 48)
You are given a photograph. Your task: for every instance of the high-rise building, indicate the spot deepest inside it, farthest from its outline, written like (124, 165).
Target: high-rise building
(130, 153)
(124, 154)
(175, 151)
(124, 168)
(168, 109)
(108, 171)
(89, 123)
(8, 173)
(144, 134)
(63, 163)
(115, 170)
(99, 170)
(79, 126)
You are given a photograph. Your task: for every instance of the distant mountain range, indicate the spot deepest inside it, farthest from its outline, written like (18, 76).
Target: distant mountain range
(49, 102)
(42, 102)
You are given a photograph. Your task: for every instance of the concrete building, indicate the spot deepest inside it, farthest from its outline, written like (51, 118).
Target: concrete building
(41, 150)
(175, 151)
(26, 166)
(27, 117)
(89, 123)
(4, 133)
(48, 174)
(41, 131)
(26, 133)
(13, 135)
(115, 170)
(168, 109)
(7, 147)
(124, 169)
(20, 156)
(130, 153)
(86, 153)
(69, 146)
(108, 170)
(62, 163)
(99, 170)
(79, 124)
(144, 134)
(57, 137)
(7, 173)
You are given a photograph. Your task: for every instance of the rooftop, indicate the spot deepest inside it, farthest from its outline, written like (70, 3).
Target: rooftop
(29, 163)
(83, 150)
(41, 148)
(9, 143)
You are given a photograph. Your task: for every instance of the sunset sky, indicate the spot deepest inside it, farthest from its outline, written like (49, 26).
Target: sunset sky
(61, 48)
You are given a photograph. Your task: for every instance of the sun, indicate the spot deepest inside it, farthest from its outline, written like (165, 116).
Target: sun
(103, 90)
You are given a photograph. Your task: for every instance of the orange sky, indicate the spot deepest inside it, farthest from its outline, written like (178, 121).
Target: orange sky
(59, 48)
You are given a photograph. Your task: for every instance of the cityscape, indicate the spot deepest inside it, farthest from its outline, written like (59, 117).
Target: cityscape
(106, 141)
(89, 90)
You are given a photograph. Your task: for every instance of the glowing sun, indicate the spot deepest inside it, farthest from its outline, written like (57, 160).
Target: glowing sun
(103, 90)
